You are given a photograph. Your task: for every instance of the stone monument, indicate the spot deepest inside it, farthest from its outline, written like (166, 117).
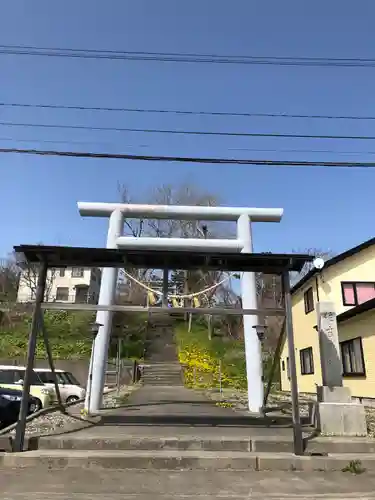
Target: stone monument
(336, 413)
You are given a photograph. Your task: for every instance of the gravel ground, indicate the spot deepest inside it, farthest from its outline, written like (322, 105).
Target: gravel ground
(238, 401)
(57, 421)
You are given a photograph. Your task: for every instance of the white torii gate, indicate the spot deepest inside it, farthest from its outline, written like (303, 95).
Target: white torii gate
(116, 212)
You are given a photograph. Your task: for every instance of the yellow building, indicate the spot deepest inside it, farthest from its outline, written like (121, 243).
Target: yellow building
(347, 280)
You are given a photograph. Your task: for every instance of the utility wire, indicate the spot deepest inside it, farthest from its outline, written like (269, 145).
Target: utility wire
(268, 150)
(183, 112)
(183, 57)
(189, 132)
(256, 150)
(283, 150)
(183, 159)
(57, 141)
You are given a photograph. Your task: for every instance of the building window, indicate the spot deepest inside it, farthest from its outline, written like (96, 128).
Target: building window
(62, 293)
(307, 361)
(308, 298)
(283, 365)
(355, 293)
(62, 273)
(78, 272)
(352, 359)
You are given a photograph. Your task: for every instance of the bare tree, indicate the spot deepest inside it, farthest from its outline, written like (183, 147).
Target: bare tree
(168, 194)
(133, 226)
(28, 278)
(316, 252)
(9, 279)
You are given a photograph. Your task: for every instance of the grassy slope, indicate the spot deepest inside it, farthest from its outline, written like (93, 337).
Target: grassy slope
(202, 357)
(69, 333)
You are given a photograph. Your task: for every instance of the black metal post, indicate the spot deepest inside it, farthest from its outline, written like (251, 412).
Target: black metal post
(297, 429)
(21, 424)
(51, 363)
(275, 363)
(118, 364)
(135, 371)
(165, 287)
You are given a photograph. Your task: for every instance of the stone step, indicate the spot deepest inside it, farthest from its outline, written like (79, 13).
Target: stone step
(182, 460)
(167, 377)
(175, 367)
(266, 444)
(107, 484)
(164, 383)
(161, 379)
(161, 372)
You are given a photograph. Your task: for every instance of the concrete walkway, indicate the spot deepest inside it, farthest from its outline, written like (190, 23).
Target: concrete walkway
(167, 410)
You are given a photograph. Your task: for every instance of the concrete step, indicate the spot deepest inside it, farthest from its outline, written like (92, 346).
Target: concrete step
(106, 484)
(161, 372)
(163, 368)
(182, 460)
(164, 383)
(266, 444)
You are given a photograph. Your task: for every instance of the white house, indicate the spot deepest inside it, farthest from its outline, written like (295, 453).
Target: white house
(75, 284)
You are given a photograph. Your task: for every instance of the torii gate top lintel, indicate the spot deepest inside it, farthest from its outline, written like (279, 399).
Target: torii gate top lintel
(194, 212)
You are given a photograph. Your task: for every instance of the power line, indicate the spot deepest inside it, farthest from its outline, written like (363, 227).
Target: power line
(188, 132)
(46, 141)
(57, 141)
(283, 150)
(183, 159)
(254, 150)
(30, 50)
(186, 112)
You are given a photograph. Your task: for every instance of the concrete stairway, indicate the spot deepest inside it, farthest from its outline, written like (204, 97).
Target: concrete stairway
(161, 342)
(164, 374)
(161, 362)
(177, 429)
(191, 450)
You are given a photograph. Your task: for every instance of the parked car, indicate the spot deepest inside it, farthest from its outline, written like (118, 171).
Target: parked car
(12, 377)
(70, 389)
(10, 402)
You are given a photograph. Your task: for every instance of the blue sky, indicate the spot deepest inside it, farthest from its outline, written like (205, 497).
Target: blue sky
(324, 208)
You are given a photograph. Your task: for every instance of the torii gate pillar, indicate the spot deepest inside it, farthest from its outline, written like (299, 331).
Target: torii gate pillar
(253, 347)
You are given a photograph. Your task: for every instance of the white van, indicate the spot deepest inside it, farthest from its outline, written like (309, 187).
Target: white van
(12, 377)
(70, 389)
